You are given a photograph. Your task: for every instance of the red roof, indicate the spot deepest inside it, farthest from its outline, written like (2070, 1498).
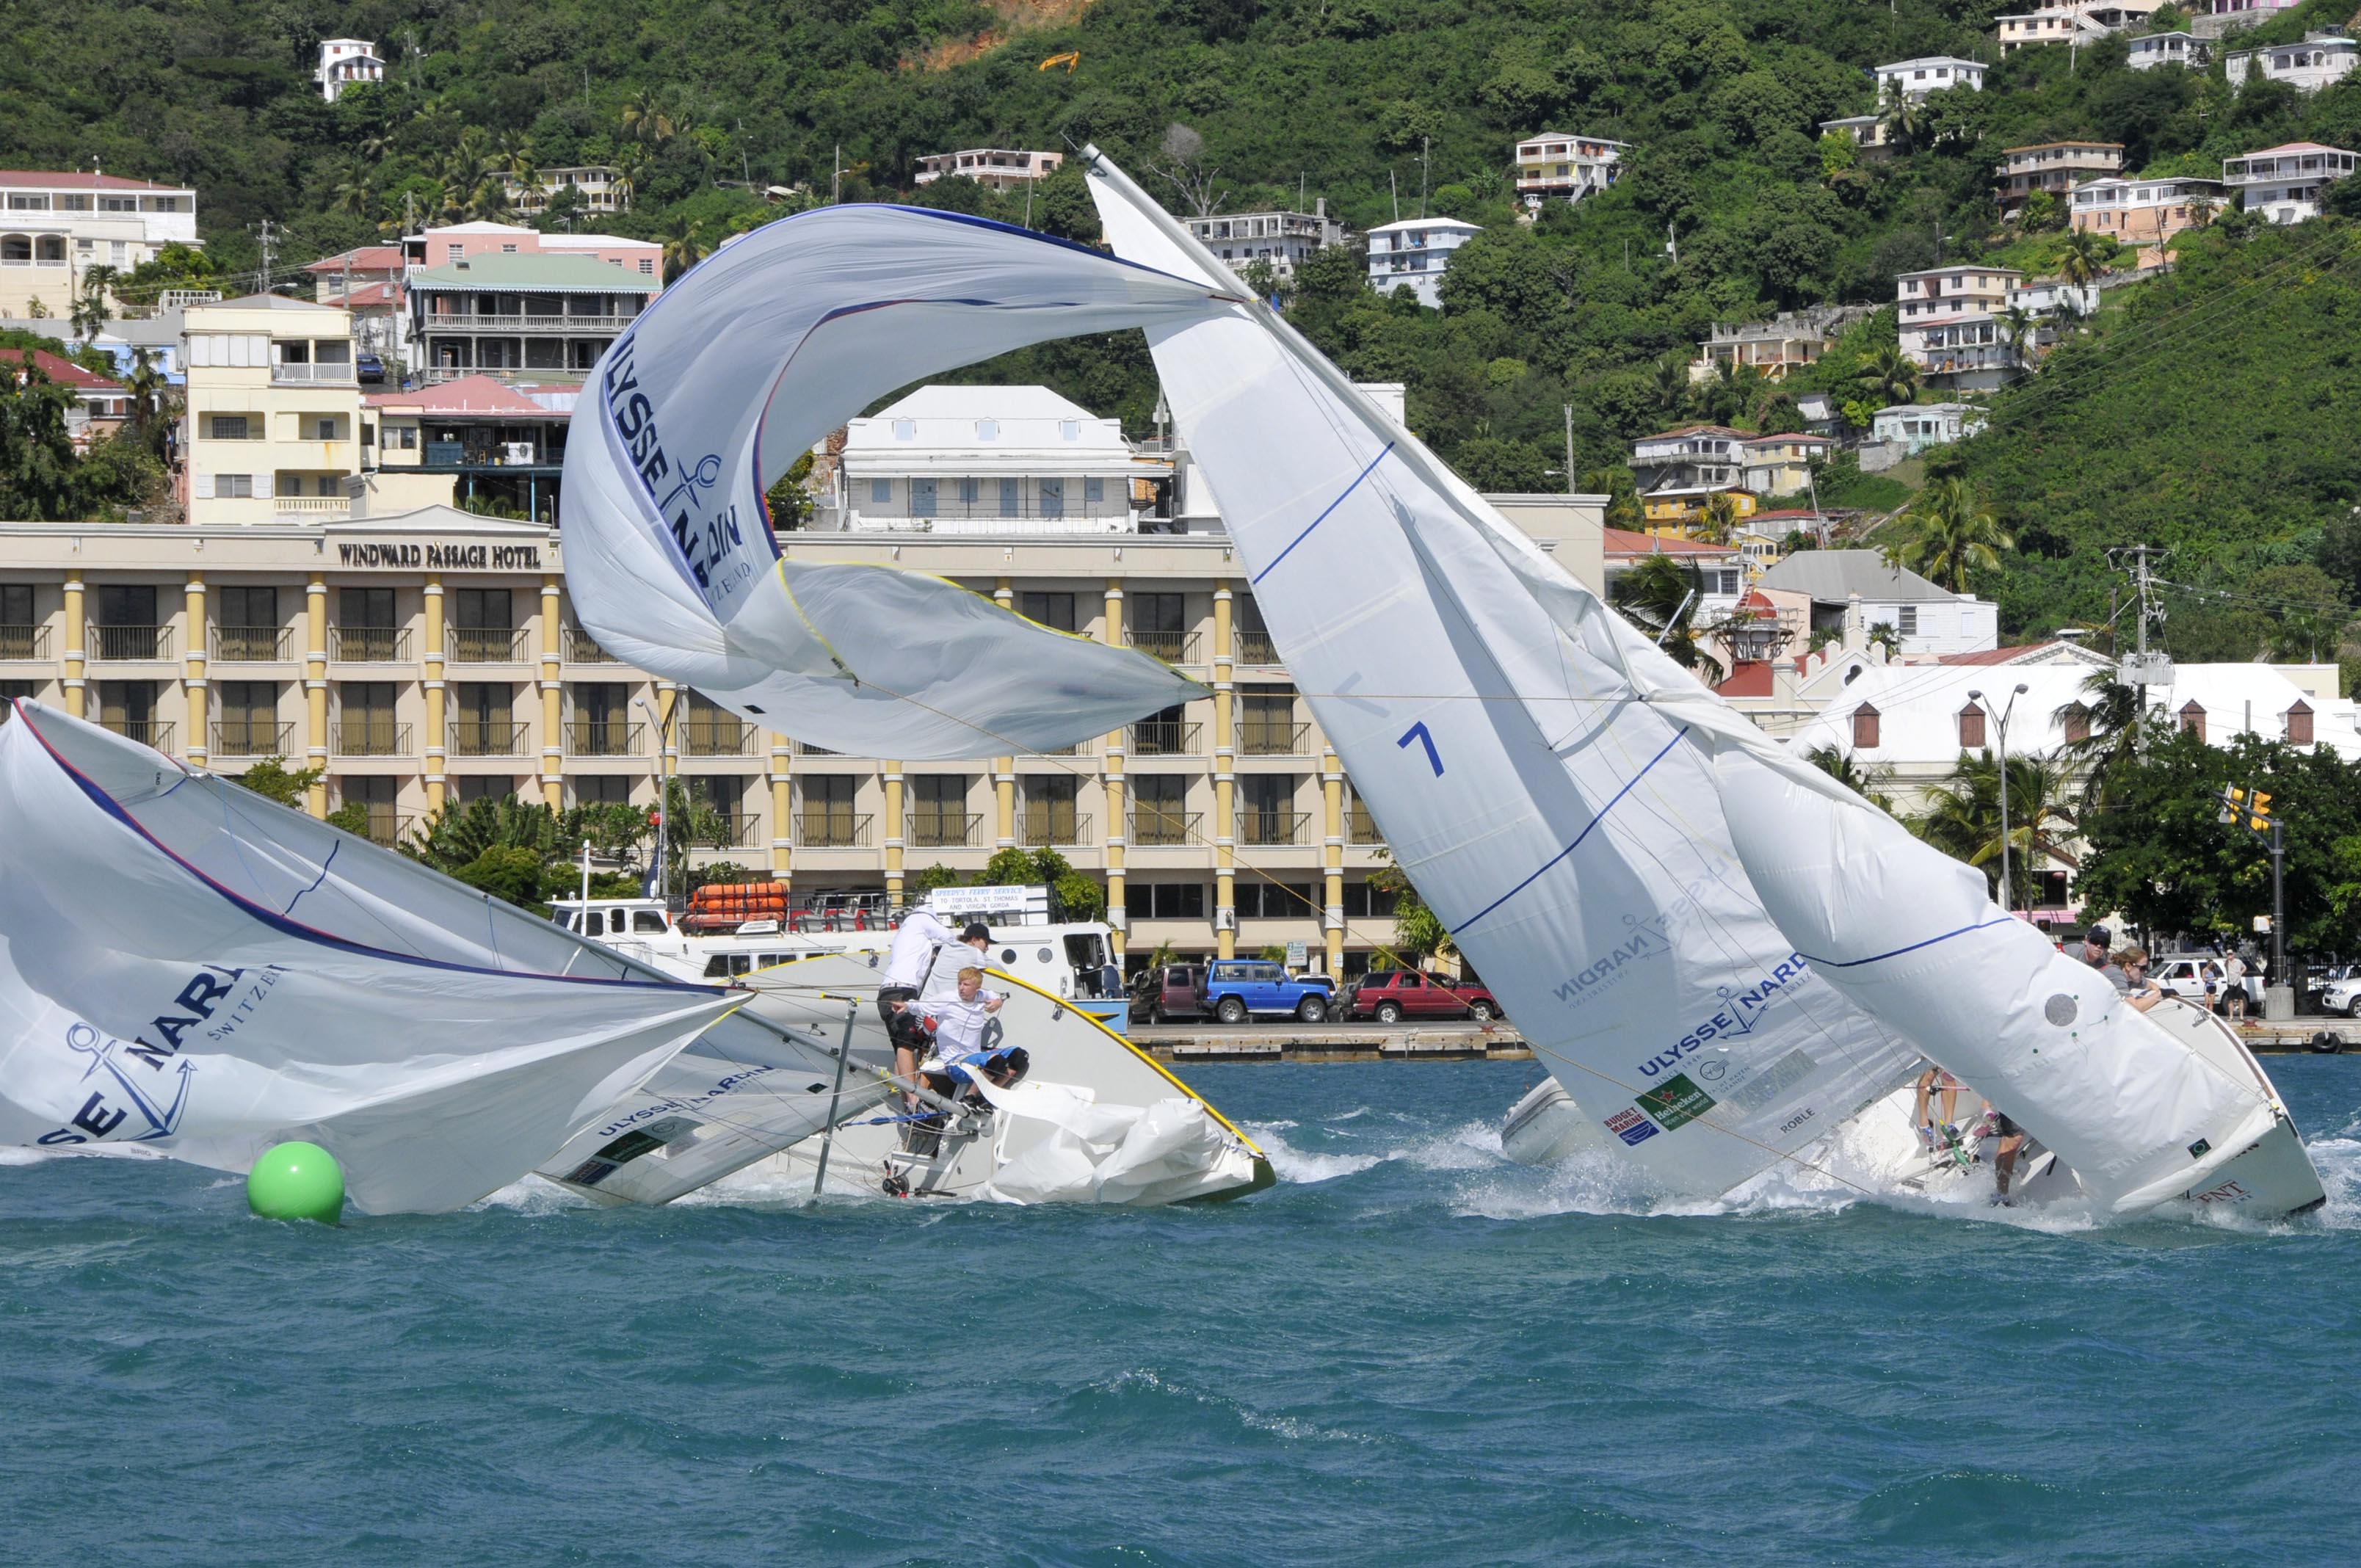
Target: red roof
(1696, 430)
(369, 294)
(471, 396)
(65, 372)
(1751, 677)
(1781, 513)
(1997, 655)
(1624, 542)
(364, 258)
(1786, 435)
(73, 179)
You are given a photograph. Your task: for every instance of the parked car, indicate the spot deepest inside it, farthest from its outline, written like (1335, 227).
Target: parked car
(370, 368)
(2342, 995)
(1236, 988)
(2178, 974)
(1165, 991)
(1391, 995)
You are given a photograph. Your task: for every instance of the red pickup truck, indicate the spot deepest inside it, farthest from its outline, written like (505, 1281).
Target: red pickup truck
(1391, 995)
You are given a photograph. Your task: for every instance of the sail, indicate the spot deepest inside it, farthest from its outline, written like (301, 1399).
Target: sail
(1535, 765)
(732, 374)
(188, 965)
(1721, 952)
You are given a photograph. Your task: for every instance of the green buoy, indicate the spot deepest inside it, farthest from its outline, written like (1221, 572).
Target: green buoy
(296, 1181)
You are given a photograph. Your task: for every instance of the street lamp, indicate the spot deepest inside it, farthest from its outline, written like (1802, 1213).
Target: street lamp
(2008, 885)
(664, 793)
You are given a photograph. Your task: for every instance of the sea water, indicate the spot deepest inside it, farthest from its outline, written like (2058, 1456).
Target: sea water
(1409, 1351)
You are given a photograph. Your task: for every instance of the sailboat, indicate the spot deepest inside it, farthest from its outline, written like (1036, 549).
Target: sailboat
(1721, 954)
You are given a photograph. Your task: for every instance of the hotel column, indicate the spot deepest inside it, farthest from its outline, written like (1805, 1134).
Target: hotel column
(782, 842)
(75, 633)
(1331, 790)
(436, 734)
(1226, 827)
(1004, 769)
(552, 695)
(316, 690)
(893, 771)
(1117, 916)
(193, 683)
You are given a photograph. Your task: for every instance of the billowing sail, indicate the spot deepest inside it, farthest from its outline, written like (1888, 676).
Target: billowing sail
(1721, 952)
(186, 966)
(728, 377)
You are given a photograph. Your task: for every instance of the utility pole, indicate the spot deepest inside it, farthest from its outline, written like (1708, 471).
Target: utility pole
(1394, 186)
(836, 177)
(265, 258)
(2144, 669)
(1569, 449)
(1424, 145)
(2250, 809)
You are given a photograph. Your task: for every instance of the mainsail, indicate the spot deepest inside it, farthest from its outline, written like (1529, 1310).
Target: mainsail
(1723, 953)
(727, 378)
(187, 966)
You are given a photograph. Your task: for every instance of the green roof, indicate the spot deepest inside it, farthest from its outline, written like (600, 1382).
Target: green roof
(542, 274)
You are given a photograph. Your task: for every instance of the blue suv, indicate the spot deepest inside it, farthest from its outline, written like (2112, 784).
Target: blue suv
(1236, 988)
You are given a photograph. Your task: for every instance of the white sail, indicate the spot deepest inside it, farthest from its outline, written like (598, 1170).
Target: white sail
(727, 378)
(1721, 952)
(188, 965)
(1544, 783)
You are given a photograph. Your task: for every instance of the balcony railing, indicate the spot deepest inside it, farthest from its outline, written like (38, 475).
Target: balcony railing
(441, 325)
(312, 506)
(1274, 827)
(488, 737)
(370, 737)
(370, 644)
(1266, 738)
(727, 829)
(1052, 829)
(831, 829)
(24, 642)
(603, 738)
(1256, 648)
(1173, 647)
(944, 829)
(1360, 828)
(804, 748)
(716, 735)
(1154, 829)
(485, 645)
(387, 825)
(244, 737)
(156, 733)
(250, 644)
(129, 643)
(1164, 738)
(581, 648)
(287, 371)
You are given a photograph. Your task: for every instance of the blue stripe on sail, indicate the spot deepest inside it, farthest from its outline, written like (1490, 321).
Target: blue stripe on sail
(316, 881)
(1578, 837)
(1316, 522)
(1878, 958)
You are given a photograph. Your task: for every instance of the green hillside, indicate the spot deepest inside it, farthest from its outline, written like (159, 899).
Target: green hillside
(2144, 428)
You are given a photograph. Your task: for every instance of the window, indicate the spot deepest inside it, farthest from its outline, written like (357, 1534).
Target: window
(1159, 813)
(2077, 719)
(1905, 620)
(1166, 900)
(1050, 811)
(1093, 489)
(1049, 609)
(1864, 729)
(922, 497)
(1070, 430)
(2298, 724)
(324, 429)
(483, 610)
(455, 252)
(17, 609)
(1009, 499)
(229, 427)
(2192, 720)
(508, 250)
(968, 489)
(366, 717)
(1971, 726)
(249, 721)
(880, 492)
(828, 819)
(230, 487)
(987, 429)
(647, 265)
(1260, 900)
(1053, 498)
(939, 813)
(603, 789)
(1364, 901)
(905, 430)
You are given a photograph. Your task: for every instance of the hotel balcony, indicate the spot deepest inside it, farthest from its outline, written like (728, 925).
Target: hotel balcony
(488, 737)
(1258, 738)
(604, 737)
(703, 737)
(127, 645)
(832, 830)
(239, 738)
(370, 644)
(250, 645)
(1166, 738)
(24, 642)
(581, 648)
(1274, 827)
(943, 829)
(485, 645)
(369, 737)
(155, 732)
(1052, 829)
(1156, 829)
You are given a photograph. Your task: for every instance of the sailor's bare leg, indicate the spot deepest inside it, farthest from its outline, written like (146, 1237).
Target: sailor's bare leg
(2004, 1161)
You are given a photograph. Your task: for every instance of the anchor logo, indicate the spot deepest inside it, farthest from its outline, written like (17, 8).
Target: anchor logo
(100, 1048)
(704, 476)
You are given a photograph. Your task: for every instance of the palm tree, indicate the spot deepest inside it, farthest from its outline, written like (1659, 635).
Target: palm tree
(1670, 381)
(2085, 257)
(632, 167)
(1869, 783)
(89, 306)
(1719, 519)
(2109, 715)
(1963, 818)
(2017, 327)
(1890, 376)
(647, 118)
(684, 248)
(355, 193)
(1948, 532)
(146, 386)
(1902, 119)
(1661, 596)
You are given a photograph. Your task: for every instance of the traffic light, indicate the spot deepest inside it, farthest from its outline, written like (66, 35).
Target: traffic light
(2249, 809)
(2258, 809)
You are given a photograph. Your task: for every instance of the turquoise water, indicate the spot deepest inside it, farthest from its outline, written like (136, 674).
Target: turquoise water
(1407, 1352)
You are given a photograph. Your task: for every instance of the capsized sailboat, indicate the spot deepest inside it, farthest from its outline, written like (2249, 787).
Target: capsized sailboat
(1721, 954)
(727, 378)
(188, 967)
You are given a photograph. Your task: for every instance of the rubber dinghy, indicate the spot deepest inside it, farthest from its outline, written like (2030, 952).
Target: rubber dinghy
(191, 969)
(1721, 954)
(1096, 1120)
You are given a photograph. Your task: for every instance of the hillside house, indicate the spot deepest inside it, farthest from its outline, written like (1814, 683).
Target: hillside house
(55, 226)
(345, 63)
(1950, 325)
(1776, 346)
(1782, 464)
(999, 169)
(2320, 60)
(2284, 183)
(2055, 167)
(596, 187)
(1928, 620)
(1917, 79)
(1413, 253)
(1915, 427)
(2145, 214)
(1286, 240)
(2185, 50)
(1554, 165)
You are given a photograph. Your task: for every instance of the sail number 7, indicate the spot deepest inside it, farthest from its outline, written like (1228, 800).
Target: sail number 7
(1418, 732)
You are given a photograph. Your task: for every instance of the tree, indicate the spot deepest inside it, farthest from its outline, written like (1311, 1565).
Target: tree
(1661, 595)
(40, 470)
(1718, 523)
(1963, 819)
(2087, 256)
(2017, 329)
(648, 119)
(1870, 782)
(2109, 714)
(1185, 168)
(89, 305)
(684, 248)
(1889, 378)
(273, 779)
(1948, 532)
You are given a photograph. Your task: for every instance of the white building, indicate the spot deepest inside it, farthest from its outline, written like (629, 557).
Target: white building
(1868, 131)
(983, 460)
(1286, 240)
(344, 61)
(1950, 325)
(2078, 22)
(2186, 50)
(1554, 165)
(598, 186)
(1917, 427)
(1826, 586)
(1915, 79)
(1000, 169)
(2309, 66)
(54, 227)
(2284, 183)
(1414, 251)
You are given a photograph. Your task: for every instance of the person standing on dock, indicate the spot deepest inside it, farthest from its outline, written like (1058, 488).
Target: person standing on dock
(2234, 978)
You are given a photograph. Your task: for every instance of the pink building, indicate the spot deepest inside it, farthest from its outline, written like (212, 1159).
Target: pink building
(464, 242)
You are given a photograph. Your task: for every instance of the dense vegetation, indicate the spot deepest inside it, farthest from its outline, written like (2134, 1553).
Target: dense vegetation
(2203, 411)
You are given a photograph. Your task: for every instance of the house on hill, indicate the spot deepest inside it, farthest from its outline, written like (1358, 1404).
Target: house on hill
(1822, 586)
(1413, 253)
(2284, 183)
(1553, 165)
(2318, 60)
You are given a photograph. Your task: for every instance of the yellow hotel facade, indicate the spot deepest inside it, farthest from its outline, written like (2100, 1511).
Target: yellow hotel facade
(432, 657)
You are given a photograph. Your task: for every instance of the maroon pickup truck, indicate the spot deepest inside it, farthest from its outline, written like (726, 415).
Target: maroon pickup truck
(1391, 995)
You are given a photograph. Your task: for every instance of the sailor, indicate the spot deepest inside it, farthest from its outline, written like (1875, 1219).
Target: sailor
(958, 1022)
(2094, 947)
(2004, 1153)
(916, 942)
(2129, 973)
(941, 981)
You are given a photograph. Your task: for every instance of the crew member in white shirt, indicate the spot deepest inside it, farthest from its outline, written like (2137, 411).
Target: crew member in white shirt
(916, 941)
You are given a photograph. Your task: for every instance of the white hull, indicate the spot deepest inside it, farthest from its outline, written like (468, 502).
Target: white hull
(1546, 1126)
